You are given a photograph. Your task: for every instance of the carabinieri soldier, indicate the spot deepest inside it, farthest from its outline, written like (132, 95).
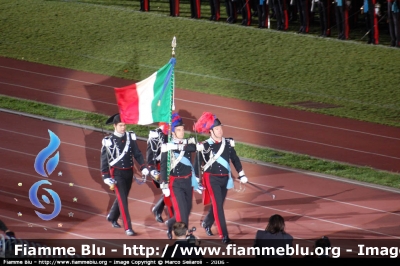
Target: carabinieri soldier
(117, 155)
(157, 137)
(181, 182)
(216, 154)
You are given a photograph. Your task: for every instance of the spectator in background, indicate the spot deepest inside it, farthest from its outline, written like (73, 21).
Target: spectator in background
(274, 236)
(181, 235)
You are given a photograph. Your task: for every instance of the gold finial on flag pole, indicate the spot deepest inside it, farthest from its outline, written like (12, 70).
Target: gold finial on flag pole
(173, 46)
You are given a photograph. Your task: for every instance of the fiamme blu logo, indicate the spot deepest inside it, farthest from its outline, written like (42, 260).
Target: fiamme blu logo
(46, 169)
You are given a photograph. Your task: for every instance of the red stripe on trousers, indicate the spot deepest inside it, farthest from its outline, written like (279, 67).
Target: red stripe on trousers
(214, 204)
(120, 205)
(177, 213)
(177, 8)
(121, 208)
(198, 8)
(346, 23)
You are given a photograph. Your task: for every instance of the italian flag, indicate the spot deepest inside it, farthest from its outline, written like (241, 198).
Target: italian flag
(149, 100)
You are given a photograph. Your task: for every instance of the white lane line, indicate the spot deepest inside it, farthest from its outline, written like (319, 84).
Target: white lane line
(192, 102)
(228, 198)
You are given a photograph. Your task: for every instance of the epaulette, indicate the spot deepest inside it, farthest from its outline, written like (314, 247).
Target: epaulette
(107, 141)
(154, 134)
(133, 135)
(231, 141)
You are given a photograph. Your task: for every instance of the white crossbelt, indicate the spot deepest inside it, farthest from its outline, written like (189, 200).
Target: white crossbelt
(128, 141)
(213, 158)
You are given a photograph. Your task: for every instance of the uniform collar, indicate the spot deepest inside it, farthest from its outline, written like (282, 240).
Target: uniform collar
(119, 135)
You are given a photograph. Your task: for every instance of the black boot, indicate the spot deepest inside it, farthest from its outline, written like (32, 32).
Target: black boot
(158, 209)
(207, 228)
(113, 223)
(226, 240)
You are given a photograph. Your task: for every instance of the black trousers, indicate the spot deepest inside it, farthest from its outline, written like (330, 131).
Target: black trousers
(281, 16)
(144, 5)
(323, 16)
(340, 21)
(263, 15)
(195, 8)
(181, 197)
(120, 206)
(231, 11)
(174, 8)
(244, 7)
(304, 15)
(215, 10)
(393, 21)
(216, 186)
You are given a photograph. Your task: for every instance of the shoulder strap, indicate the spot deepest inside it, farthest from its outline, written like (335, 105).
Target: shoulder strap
(215, 157)
(128, 142)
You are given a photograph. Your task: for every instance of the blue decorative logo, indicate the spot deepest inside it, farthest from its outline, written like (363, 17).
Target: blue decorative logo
(45, 153)
(50, 167)
(35, 201)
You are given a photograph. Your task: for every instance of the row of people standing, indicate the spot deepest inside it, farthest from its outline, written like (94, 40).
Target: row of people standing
(169, 162)
(343, 11)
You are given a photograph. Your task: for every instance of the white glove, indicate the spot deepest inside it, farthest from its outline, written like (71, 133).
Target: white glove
(243, 179)
(172, 146)
(200, 188)
(199, 147)
(166, 192)
(109, 181)
(154, 173)
(145, 171)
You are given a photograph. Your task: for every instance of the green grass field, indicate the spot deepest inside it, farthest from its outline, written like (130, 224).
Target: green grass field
(261, 65)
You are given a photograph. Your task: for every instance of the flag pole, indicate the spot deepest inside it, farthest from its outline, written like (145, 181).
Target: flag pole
(173, 45)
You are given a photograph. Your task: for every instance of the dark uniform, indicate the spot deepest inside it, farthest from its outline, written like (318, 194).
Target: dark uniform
(181, 179)
(231, 11)
(145, 5)
(342, 22)
(195, 8)
(263, 14)
(371, 21)
(156, 139)
(281, 13)
(393, 12)
(215, 10)
(303, 6)
(117, 155)
(324, 10)
(174, 8)
(215, 160)
(245, 10)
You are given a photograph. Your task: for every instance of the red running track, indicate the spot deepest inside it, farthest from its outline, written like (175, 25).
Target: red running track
(338, 139)
(311, 205)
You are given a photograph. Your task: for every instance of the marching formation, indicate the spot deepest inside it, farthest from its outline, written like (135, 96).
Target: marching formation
(170, 164)
(341, 15)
